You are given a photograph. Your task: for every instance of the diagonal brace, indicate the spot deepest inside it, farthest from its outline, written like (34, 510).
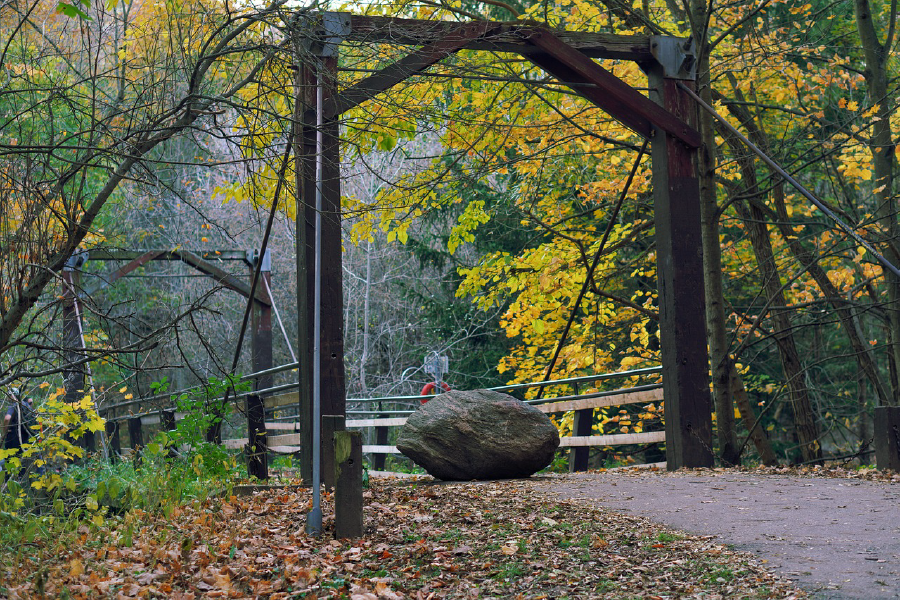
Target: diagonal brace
(409, 65)
(223, 277)
(617, 98)
(122, 271)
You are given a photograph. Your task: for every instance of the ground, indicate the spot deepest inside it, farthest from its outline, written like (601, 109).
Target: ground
(835, 532)
(712, 534)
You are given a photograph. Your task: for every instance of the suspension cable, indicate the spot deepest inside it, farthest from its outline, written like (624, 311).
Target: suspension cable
(778, 169)
(278, 318)
(590, 274)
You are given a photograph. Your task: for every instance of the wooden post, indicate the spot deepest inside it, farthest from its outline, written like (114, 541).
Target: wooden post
(381, 439)
(887, 437)
(321, 70)
(331, 425)
(257, 445)
(348, 491)
(305, 166)
(676, 195)
(135, 439)
(578, 456)
(333, 386)
(257, 455)
(167, 420)
(115, 443)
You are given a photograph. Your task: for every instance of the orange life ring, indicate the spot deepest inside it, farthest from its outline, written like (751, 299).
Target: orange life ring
(429, 389)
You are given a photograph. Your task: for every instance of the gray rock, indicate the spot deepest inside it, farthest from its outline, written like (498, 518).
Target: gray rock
(479, 434)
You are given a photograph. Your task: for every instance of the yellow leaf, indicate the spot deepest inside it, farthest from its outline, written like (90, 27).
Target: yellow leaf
(75, 568)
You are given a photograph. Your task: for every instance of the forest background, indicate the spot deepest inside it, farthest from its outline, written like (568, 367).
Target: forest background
(475, 198)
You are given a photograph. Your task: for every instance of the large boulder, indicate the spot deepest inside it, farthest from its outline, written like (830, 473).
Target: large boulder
(479, 434)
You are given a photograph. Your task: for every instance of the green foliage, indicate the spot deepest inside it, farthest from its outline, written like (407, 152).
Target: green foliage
(75, 9)
(57, 495)
(31, 472)
(203, 408)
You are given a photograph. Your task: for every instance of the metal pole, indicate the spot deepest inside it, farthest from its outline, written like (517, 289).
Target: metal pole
(287, 340)
(314, 518)
(777, 168)
(87, 365)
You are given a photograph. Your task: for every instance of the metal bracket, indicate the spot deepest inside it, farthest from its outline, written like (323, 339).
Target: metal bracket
(76, 261)
(335, 26)
(253, 256)
(676, 56)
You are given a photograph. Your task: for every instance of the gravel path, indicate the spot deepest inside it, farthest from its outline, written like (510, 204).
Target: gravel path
(837, 538)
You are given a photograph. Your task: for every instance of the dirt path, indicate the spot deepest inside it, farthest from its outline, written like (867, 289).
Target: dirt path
(837, 538)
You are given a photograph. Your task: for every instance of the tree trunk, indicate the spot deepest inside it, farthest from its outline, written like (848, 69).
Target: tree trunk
(756, 433)
(809, 261)
(881, 145)
(804, 416)
(717, 335)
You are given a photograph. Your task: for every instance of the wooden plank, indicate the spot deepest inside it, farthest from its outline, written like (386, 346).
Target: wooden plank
(290, 439)
(348, 485)
(155, 420)
(506, 37)
(619, 439)
(617, 400)
(378, 449)
(283, 426)
(396, 422)
(291, 398)
(236, 444)
(305, 175)
(381, 439)
(617, 98)
(454, 40)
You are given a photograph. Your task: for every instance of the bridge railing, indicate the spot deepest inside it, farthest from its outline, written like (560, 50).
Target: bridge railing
(380, 415)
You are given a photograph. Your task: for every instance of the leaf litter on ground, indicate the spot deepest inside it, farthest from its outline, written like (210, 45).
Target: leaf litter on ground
(423, 540)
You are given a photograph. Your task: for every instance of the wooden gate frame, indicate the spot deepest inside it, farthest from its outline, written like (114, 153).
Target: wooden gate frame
(667, 118)
(204, 262)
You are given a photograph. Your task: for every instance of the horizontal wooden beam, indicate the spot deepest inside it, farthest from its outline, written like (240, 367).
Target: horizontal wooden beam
(201, 261)
(619, 439)
(283, 426)
(289, 444)
(119, 254)
(395, 422)
(284, 449)
(380, 450)
(282, 400)
(505, 37)
(617, 400)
